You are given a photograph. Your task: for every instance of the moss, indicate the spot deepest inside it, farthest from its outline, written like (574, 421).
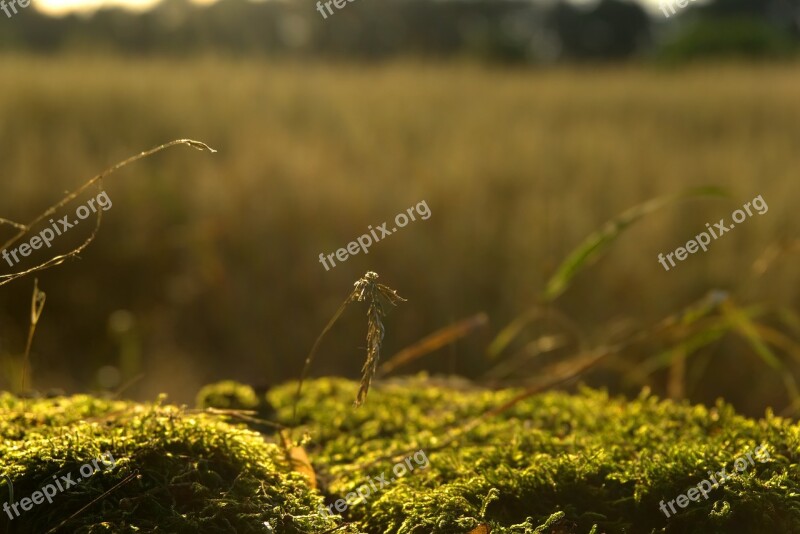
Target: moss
(173, 472)
(228, 395)
(555, 463)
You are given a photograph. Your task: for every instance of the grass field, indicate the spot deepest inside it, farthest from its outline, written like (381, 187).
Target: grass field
(215, 257)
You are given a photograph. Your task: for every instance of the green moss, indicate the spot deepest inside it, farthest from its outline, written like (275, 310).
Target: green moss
(178, 472)
(555, 463)
(228, 395)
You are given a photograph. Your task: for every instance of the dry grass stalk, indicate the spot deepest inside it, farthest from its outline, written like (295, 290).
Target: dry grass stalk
(98, 180)
(368, 288)
(365, 288)
(438, 339)
(37, 307)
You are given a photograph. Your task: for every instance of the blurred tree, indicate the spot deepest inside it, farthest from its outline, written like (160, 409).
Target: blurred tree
(735, 28)
(492, 30)
(612, 29)
(728, 37)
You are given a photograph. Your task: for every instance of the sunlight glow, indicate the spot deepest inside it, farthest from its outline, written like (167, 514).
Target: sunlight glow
(63, 7)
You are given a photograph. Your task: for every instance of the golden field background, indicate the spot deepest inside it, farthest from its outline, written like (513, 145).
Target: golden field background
(207, 266)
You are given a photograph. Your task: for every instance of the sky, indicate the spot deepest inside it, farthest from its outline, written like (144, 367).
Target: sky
(58, 7)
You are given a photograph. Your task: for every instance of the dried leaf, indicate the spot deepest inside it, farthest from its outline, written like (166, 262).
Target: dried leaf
(298, 459)
(301, 463)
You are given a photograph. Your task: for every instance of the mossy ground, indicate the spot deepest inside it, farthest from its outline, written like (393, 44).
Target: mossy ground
(576, 462)
(179, 472)
(555, 463)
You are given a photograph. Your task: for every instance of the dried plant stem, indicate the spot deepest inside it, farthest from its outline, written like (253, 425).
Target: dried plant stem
(37, 306)
(432, 342)
(366, 288)
(313, 352)
(25, 228)
(369, 288)
(375, 333)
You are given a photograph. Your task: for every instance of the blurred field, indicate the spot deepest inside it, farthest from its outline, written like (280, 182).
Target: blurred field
(211, 262)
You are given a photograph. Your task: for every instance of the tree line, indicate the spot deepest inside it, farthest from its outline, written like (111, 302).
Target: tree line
(492, 30)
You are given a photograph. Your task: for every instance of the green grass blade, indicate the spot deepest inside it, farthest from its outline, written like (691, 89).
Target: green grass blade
(689, 346)
(750, 332)
(537, 313)
(740, 322)
(598, 242)
(790, 318)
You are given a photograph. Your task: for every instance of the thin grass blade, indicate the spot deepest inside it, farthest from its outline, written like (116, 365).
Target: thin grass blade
(597, 243)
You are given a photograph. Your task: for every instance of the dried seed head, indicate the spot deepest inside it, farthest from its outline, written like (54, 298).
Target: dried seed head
(365, 288)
